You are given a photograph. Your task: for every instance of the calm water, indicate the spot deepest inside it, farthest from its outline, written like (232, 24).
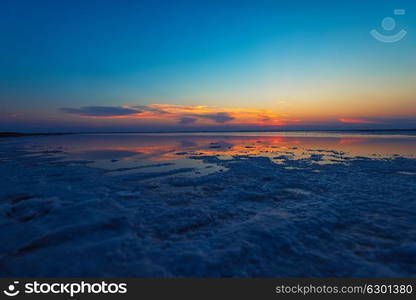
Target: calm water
(161, 152)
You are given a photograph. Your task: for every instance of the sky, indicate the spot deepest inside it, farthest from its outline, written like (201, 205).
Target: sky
(206, 65)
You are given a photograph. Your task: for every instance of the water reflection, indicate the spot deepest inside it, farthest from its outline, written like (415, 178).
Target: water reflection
(121, 151)
(112, 154)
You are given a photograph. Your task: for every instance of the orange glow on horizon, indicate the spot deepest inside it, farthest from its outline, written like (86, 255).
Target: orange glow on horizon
(194, 116)
(358, 121)
(204, 115)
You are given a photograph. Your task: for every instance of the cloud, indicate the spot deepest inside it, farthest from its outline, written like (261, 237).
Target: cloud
(358, 121)
(150, 108)
(187, 120)
(101, 111)
(190, 114)
(220, 117)
(183, 114)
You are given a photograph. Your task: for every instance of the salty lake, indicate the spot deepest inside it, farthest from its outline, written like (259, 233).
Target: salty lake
(154, 152)
(293, 204)
(166, 151)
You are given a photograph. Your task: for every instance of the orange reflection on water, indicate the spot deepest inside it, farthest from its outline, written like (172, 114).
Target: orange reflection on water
(170, 147)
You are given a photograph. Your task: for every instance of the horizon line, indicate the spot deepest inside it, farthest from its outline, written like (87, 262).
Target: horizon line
(17, 134)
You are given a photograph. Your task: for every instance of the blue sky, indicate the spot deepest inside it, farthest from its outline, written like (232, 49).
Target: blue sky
(289, 58)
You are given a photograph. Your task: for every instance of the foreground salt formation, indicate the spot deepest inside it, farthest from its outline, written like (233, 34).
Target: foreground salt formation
(253, 218)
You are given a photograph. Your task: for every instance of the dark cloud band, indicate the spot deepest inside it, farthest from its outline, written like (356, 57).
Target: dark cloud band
(101, 111)
(118, 111)
(221, 117)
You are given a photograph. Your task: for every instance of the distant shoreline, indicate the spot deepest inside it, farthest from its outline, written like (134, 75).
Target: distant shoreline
(23, 134)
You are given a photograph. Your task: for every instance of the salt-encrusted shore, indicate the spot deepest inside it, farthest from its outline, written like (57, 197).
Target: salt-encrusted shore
(253, 218)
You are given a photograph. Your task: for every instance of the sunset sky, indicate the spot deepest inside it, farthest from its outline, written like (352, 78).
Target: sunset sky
(205, 65)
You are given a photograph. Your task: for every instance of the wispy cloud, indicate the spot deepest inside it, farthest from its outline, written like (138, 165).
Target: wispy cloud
(101, 111)
(220, 117)
(358, 121)
(183, 114)
(186, 120)
(149, 108)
